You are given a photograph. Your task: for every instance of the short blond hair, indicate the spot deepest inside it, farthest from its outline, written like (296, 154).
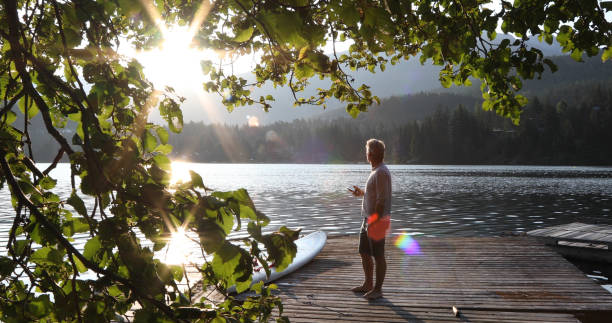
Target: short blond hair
(376, 148)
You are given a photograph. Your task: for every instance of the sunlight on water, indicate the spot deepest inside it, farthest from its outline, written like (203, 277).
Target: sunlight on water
(180, 172)
(180, 249)
(431, 200)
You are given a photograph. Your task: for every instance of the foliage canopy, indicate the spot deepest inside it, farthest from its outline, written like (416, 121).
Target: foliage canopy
(59, 59)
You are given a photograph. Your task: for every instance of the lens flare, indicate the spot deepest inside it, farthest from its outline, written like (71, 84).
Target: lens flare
(253, 121)
(408, 244)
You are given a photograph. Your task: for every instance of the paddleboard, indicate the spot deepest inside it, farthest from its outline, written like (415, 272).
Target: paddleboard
(307, 248)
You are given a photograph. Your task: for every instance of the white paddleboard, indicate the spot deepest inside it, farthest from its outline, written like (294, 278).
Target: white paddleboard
(307, 248)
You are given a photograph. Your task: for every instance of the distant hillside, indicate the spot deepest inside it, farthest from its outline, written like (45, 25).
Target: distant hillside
(401, 109)
(551, 132)
(566, 84)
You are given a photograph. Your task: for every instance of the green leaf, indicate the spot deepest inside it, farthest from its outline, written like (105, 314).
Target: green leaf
(177, 272)
(246, 207)
(218, 319)
(77, 203)
(226, 260)
(244, 34)
(212, 237)
(206, 66)
(551, 65)
(47, 255)
(73, 37)
(242, 286)
(10, 117)
(75, 225)
(164, 149)
(162, 134)
(281, 249)
(92, 249)
(196, 179)
(353, 110)
(40, 306)
(577, 55)
(163, 162)
(79, 265)
(20, 247)
(349, 14)
(607, 53)
(114, 291)
(445, 81)
(148, 141)
(47, 183)
(6, 266)
(129, 7)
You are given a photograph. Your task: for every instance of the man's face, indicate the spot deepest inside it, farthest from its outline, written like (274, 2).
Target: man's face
(368, 155)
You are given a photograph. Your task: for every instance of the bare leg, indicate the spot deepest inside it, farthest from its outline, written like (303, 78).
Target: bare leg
(381, 270)
(368, 271)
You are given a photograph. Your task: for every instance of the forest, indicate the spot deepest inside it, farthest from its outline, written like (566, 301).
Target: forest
(568, 126)
(564, 123)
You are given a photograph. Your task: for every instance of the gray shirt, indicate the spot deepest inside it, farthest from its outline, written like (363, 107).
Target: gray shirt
(378, 189)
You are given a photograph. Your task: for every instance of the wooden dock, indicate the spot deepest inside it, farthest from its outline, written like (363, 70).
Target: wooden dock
(508, 279)
(579, 240)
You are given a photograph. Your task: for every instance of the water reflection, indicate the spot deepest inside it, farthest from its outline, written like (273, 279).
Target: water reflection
(427, 200)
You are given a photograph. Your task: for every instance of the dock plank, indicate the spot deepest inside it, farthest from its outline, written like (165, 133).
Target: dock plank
(576, 231)
(507, 279)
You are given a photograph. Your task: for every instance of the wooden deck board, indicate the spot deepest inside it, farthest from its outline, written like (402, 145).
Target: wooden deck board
(576, 231)
(509, 279)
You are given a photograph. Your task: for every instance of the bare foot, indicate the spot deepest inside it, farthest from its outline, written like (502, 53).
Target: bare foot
(362, 289)
(373, 294)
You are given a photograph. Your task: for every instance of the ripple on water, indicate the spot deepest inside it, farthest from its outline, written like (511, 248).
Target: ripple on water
(427, 200)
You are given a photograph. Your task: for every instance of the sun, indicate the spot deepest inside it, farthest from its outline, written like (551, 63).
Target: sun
(180, 172)
(176, 62)
(179, 249)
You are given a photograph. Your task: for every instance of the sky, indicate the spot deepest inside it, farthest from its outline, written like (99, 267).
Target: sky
(178, 65)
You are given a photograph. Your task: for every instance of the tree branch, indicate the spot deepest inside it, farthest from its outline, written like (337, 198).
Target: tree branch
(16, 190)
(13, 38)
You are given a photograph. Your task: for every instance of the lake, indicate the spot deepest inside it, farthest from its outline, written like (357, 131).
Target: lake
(427, 200)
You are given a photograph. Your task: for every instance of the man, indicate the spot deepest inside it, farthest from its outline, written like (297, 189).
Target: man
(376, 210)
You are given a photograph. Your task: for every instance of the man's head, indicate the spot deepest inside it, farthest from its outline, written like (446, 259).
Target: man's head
(375, 151)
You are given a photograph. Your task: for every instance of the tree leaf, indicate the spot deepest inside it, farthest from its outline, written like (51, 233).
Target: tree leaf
(46, 255)
(40, 306)
(577, 55)
(47, 183)
(6, 266)
(92, 249)
(244, 34)
(196, 179)
(162, 134)
(77, 203)
(607, 53)
(75, 225)
(79, 265)
(149, 141)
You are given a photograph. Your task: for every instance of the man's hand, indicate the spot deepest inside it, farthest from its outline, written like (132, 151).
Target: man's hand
(356, 191)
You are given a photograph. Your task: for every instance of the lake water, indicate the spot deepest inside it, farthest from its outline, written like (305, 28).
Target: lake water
(427, 200)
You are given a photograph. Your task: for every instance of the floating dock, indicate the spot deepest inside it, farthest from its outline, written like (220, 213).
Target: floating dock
(497, 279)
(591, 242)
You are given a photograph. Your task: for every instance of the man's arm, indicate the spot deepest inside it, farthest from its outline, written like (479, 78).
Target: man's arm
(356, 191)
